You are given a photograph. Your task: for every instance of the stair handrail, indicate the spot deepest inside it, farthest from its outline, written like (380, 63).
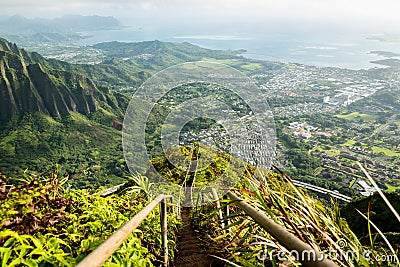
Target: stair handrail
(98, 256)
(184, 184)
(285, 238)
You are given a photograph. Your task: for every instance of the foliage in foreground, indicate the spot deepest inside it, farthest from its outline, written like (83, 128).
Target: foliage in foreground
(245, 243)
(44, 224)
(379, 214)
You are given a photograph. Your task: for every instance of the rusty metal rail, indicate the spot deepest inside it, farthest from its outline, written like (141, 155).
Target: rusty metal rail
(286, 239)
(98, 256)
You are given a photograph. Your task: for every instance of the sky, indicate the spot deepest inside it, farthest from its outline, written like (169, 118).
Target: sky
(369, 15)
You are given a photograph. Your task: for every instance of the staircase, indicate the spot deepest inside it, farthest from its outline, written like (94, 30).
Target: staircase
(189, 249)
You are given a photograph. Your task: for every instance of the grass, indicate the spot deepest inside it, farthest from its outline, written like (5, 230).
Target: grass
(293, 209)
(79, 118)
(386, 151)
(357, 115)
(221, 61)
(251, 66)
(307, 218)
(50, 120)
(349, 142)
(392, 188)
(332, 152)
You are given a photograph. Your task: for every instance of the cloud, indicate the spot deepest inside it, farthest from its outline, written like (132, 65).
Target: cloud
(369, 12)
(214, 37)
(325, 56)
(321, 47)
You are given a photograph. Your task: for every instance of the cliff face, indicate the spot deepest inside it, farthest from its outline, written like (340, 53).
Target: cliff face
(33, 88)
(29, 57)
(27, 85)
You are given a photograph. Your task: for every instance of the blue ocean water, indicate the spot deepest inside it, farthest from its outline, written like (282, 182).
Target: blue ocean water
(347, 51)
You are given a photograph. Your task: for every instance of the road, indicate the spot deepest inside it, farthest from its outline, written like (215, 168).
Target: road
(322, 190)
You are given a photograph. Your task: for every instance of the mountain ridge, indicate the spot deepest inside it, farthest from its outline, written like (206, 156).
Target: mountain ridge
(29, 84)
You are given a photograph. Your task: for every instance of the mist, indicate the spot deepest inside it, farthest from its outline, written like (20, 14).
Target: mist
(189, 17)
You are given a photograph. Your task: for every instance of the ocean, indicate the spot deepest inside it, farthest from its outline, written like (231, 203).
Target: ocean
(346, 51)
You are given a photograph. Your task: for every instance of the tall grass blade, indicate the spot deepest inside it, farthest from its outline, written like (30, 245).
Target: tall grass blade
(231, 263)
(379, 191)
(382, 235)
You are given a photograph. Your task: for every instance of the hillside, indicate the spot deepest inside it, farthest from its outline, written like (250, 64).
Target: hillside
(34, 88)
(175, 51)
(31, 83)
(61, 226)
(108, 75)
(52, 114)
(379, 214)
(156, 56)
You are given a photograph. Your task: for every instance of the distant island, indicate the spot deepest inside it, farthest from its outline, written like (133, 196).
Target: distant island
(390, 62)
(386, 54)
(65, 24)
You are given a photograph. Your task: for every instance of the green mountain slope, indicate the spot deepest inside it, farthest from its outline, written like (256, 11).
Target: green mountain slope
(56, 112)
(29, 82)
(379, 214)
(86, 150)
(151, 56)
(180, 50)
(33, 88)
(59, 116)
(109, 75)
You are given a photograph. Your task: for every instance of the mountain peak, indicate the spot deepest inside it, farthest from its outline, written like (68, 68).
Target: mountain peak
(29, 87)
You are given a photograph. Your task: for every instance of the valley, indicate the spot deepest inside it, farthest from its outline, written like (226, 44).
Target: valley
(317, 96)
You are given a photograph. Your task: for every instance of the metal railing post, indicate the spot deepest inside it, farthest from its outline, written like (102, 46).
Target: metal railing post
(164, 231)
(216, 198)
(226, 213)
(198, 200)
(171, 206)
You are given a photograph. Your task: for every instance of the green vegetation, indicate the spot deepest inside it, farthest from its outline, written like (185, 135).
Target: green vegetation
(241, 241)
(349, 143)
(89, 152)
(44, 224)
(357, 116)
(332, 152)
(211, 165)
(55, 112)
(391, 188)
(379, 214)
(386, 151)
(110, 74)
(247, 66)
(30, 83)
(50, 114)
(177, 51)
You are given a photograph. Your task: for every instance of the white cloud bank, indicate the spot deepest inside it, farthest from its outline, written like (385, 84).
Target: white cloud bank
(363, 12)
